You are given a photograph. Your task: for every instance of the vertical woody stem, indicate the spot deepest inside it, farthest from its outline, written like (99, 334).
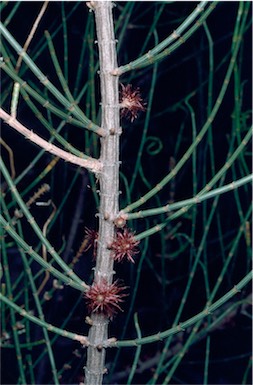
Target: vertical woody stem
(108, 180)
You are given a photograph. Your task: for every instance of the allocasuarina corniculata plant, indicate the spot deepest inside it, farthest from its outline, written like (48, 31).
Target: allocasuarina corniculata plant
(115, 246)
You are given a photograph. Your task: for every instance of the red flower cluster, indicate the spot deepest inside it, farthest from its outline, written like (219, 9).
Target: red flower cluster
(124, 246)
(130, 102)
(105, 298)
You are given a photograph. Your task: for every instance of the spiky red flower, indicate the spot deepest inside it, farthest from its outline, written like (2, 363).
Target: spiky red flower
(91, 237)
(130, 102)
(124, 246)
(105, 298)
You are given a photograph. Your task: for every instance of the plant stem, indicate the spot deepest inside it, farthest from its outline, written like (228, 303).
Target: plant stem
(109, 183)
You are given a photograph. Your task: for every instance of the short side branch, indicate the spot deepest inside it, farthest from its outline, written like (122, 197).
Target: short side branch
(90, 164)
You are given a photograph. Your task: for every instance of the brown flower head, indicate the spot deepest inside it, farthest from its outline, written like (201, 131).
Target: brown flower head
(105, 298)
(124, 246)
(130, 102)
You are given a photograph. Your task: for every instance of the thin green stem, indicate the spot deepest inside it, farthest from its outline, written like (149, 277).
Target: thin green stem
(39, 309)
(200, 135)
(138, 351)
(146, 124)
(219, 174)
(200, 197)
(211, 297)
(38, 231)
(44, 80)
(65, 41)
(61, 77)
(29, 250)
(42, 323)
(191, 321)
(155, 54)
(12, 313)
(43, 101)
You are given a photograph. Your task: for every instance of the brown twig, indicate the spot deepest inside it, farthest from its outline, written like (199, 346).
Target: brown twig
(31, 34)
(91, 164)
(11, 158)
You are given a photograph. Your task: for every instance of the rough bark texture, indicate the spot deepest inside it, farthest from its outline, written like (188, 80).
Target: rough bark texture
(108, 181)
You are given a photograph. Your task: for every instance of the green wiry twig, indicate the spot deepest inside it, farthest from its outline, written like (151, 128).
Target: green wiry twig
(191, 321)
(44, 80)
(64, 333)
(155, 54)
(29, 250)
(203, 131)
(39, 309)
(59, 73)
(65, 40)
(12, 313)
(39, 98)
(37, 230)
(14, 99)
(138, 351)
(202, 196)
(217, 176)
(146, 124)
(222, 173)
(54, 133)
(211, 297)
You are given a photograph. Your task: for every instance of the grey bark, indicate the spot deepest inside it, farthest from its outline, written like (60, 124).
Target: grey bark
(108, 182)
